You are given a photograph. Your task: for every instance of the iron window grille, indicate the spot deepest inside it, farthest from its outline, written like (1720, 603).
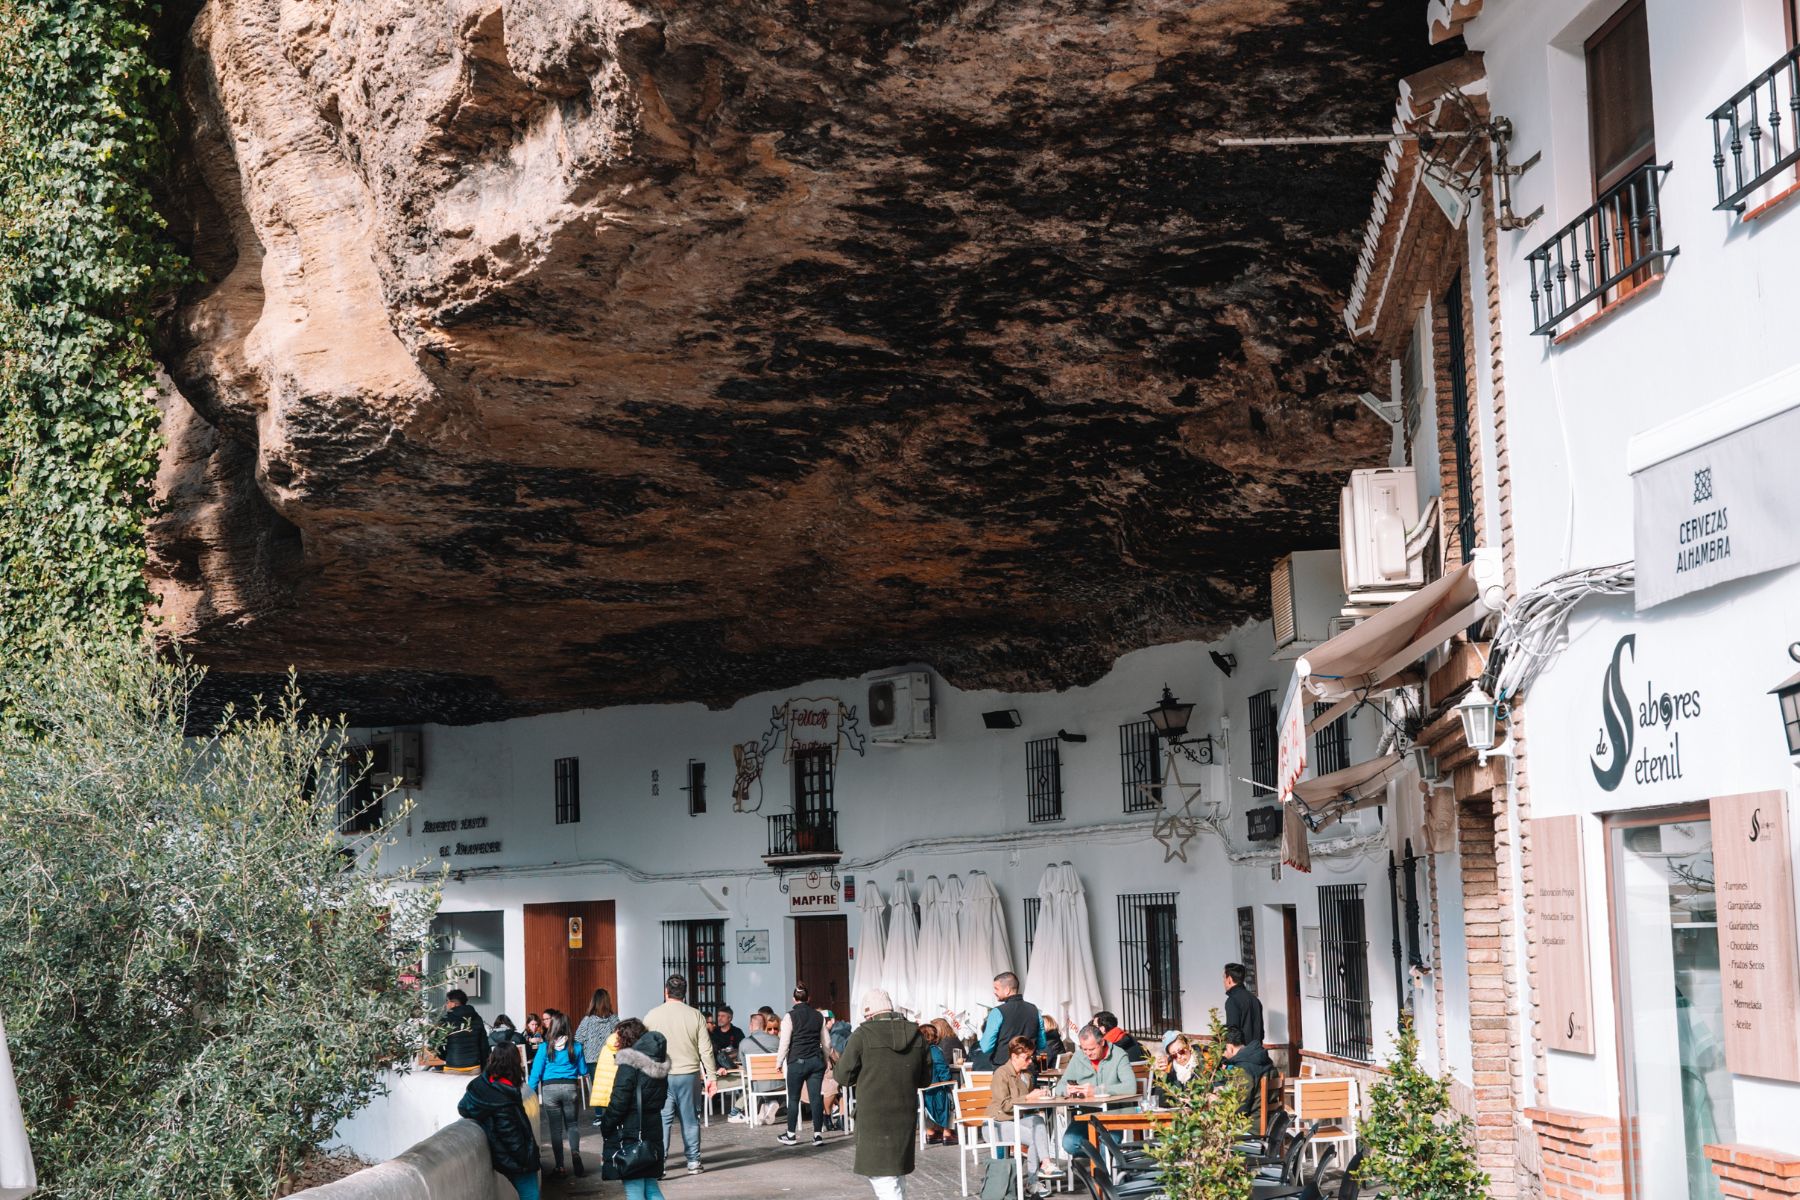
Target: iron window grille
(1459, 421)
(1747, 134)
(1262, 744)
(1331, 745)
(1344, 949)
(696, 787)
(1149, 963)
(814, 780)
(1246, 923)
(696, 950)
(568, 791)
(1615, 246)
(359, 804)
(1140, 766)
(1043, 780)
(802, 833)
(1031, 920)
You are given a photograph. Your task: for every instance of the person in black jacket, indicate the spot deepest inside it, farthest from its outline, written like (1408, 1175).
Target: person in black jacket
(640, 1089)
(466, 1042)
(1243, 1011)
(1108, 1025)
(494, 1102)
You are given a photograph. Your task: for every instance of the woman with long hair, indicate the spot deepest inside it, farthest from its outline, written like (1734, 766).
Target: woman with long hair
(595, 1028)
(936, 1099)
(633, 1118)
(559, 1073)
(494, 1100)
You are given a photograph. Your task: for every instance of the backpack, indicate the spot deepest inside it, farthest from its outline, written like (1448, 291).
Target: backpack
(1002, 1178)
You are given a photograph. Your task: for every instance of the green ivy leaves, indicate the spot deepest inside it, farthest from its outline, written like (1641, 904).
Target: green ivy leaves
(84, 258)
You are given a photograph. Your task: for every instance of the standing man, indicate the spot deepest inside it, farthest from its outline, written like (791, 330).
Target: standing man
(690, 1057)
(802, 1055)
(1012, 1016)
(466, 1043)
(1243, 1011)
(885, 1061)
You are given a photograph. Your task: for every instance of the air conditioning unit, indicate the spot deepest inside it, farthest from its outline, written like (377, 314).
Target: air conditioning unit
(397, 759)
(1303, 599)
(1342, 624)
(900, 708)
(1377, 526)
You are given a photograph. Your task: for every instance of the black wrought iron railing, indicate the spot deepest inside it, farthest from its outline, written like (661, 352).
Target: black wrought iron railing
(1750, 145)
(1612, 247)
(795, 834)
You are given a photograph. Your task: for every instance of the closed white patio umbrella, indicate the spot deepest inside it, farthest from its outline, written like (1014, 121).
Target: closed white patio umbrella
(1061, 979)
(900, 966)
(871, 948)
(985, 950)
(928, 959)
(18, 1173)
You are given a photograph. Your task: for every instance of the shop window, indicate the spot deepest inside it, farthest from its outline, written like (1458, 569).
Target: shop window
(568, 791)
(1331, 745)
(1043, 780)
(1149, 964)
(1140, 766)
(814, 780)
(1262, 744)
(696, 950)
(696, 787)
(1344, 953)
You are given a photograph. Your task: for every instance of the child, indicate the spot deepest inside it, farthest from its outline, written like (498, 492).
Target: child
(495, 1102)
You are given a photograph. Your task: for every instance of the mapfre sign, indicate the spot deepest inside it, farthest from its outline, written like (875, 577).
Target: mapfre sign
(814, 892)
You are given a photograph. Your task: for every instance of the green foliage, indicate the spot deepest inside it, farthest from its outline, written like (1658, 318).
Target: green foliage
(1195, 1149)
(1413, 1141)
(83, 260)
(198, 985)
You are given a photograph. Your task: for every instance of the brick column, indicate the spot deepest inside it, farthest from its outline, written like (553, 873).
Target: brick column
(1580, 1153)
(1753, 1173)
(1485, 916)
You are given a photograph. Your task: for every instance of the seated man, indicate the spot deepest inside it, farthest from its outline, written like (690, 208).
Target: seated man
(1255, 1063)
(1108, 1025)
(725, 1039)
(1099, 1070)
(761, 1039)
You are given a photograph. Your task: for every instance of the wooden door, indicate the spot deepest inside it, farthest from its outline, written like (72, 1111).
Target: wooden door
(1290, 953)
(822, 961)
(558, 975)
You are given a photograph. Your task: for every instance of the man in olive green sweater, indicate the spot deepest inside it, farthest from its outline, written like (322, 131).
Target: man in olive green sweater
(690, 1057)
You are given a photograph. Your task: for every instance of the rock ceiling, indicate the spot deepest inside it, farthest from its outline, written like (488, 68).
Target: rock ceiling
(556, 353)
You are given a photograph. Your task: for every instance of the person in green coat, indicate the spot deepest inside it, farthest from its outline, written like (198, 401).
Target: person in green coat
(885, 1061)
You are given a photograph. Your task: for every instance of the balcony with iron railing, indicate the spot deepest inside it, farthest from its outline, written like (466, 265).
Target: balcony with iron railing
(1607, 252)
(1750, 146)
(803, 837)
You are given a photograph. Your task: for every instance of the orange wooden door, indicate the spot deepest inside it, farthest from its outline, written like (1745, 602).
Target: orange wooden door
(596, 963)
(822, 961)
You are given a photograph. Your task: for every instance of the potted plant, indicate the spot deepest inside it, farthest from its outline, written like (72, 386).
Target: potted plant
(1414, 1142)
(1195, 1148)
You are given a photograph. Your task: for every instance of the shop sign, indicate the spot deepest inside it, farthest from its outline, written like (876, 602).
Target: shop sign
(753, 945)
(813, 892)
(1723, 511)
(1567, 997)
(1264, 823)
(1758, 964)
(1641, 720)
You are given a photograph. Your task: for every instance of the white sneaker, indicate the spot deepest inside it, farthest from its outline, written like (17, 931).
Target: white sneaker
(1050, 1170)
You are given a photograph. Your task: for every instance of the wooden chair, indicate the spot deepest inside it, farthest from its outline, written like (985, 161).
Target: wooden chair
(1327, 1107)
(971, 1117)
(972, 1078)
(760, 1069)
(1142, 1071)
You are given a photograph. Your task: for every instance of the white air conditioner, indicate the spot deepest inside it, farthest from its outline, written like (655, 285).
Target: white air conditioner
(1303, 599)
(1378, 524)
(900, 708)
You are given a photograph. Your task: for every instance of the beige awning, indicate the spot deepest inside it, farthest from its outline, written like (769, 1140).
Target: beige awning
(1366, 659)
(1360, 786)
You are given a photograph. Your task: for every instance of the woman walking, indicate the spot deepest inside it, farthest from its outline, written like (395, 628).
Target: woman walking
(632, 1122)
(495, 1102)
(594, 1030)
(559, 1073)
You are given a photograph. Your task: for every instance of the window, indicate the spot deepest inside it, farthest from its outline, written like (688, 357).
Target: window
(1149, 964)
(1043, 780)
(1031, 919)
(1331, 745)
(696, 787)
(1344, 951)
(359, 805)
(568, 791)
(696, 949)
(1140, 766)
(1459, 420)
(1262, 744)
(1621, 132)
(813, 781)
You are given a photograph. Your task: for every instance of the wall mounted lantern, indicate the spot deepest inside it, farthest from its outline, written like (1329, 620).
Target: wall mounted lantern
(1170, 717)
(1787, 695)
(1480, 715)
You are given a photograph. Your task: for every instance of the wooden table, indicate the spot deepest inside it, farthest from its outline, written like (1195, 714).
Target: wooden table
(1127, 1122)
(1062, 1108)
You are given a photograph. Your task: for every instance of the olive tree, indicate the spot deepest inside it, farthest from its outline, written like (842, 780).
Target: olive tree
(200, 977)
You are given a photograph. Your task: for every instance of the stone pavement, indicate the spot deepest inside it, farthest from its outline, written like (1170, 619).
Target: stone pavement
(748, 1164)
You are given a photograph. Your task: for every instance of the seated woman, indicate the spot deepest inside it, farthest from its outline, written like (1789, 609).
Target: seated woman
(948, 1043)
(1014, 1081)
(937, 1099)
(1175, 1066)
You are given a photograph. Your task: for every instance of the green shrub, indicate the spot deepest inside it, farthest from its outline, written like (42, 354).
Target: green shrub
(1195, 1148)
(1413, 1142)
(198, 985)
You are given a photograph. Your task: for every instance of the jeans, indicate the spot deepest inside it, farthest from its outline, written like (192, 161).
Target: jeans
(526, 1185)
(808, 1073)
(562, 1104)
(643, 1189)
(683, 1101)
(1075, 1142)
(888, 1187)
(1033, 1132)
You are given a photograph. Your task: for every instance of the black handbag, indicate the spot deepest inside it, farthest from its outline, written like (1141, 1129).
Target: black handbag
(633, 1159)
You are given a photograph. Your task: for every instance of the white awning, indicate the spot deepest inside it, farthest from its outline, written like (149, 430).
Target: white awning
(1360, 786)
(1366, 659)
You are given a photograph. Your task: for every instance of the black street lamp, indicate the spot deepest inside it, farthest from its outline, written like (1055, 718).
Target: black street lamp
(1787, 694)
(1170, 716)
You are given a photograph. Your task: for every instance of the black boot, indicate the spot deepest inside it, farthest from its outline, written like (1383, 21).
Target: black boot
(575, 1160)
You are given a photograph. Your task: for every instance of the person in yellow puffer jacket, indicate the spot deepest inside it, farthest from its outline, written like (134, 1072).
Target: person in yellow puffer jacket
(605, 1067)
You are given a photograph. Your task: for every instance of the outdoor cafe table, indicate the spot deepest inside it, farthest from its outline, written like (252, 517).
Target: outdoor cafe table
(1062, 1108)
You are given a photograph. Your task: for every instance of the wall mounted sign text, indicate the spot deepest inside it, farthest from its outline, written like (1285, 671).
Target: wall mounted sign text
(1720, 512)
(753, 945)
(452, 825)
(575, 933)
(469, 848)
(1753, 879)
(803, 723)
(813, 892)
(1636, 716)
(1561, 893)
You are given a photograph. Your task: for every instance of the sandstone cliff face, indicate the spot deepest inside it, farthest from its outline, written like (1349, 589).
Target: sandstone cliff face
(568, 352)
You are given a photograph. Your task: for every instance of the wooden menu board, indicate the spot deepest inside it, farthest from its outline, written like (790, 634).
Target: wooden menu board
(1567, 989)
(1759, 969)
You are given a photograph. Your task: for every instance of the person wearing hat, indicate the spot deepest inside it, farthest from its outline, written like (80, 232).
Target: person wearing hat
(1175, 1066)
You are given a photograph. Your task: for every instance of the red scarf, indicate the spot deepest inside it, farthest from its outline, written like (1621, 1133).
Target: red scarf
(1116, 1034)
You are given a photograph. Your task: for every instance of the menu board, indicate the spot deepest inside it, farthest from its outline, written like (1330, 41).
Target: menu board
(1753, 875)
(1567, 996)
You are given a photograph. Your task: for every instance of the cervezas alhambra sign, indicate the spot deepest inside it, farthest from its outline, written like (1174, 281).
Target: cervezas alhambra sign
(1758, 964)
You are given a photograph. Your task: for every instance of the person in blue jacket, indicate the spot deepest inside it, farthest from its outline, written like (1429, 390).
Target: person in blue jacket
(560, 1075)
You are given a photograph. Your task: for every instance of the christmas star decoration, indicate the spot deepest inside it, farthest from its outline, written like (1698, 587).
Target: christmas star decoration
(1175, 830)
